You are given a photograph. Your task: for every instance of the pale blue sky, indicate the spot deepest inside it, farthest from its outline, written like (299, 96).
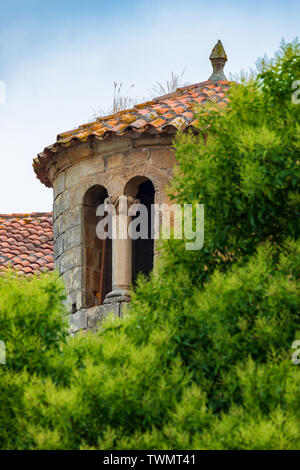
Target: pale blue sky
(59, 60)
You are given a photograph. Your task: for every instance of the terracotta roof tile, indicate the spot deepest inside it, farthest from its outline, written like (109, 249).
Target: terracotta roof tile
(26, 242)
(160, 114)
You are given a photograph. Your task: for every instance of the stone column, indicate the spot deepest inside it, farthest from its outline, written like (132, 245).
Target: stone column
(121, 253)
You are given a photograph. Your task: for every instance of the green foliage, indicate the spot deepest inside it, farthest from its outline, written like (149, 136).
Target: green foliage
(245, 169)
(31, 319)
(33, 330)
(202, 360)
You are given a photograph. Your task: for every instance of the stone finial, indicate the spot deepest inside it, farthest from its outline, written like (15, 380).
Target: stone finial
(218, 58)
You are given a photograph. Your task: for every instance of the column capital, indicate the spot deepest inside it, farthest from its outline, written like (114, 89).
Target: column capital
(121, 203)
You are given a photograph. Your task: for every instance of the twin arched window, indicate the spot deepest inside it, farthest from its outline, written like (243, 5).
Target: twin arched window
(97, 254)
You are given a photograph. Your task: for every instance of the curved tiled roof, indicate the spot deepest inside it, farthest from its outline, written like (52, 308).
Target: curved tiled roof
(26, 242)
(173, 111)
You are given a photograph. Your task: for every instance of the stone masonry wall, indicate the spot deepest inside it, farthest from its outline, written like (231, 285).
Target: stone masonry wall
(75, 170)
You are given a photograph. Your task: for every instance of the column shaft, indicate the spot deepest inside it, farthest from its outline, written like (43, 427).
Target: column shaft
(121, 254)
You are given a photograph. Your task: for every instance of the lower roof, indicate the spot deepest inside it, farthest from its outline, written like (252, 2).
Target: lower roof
(26, 242)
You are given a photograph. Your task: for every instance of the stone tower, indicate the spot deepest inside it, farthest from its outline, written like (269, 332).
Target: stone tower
(127, 154)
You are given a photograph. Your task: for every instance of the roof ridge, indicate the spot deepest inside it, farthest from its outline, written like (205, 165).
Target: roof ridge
(140, 105)
(164, 114)
(25, 215)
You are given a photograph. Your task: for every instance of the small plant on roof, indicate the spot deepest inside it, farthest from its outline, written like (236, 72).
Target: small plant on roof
(121, 101)
(170, 86)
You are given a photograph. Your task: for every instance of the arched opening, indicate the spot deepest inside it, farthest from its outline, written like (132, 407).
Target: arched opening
(97, 269)
(142, 188)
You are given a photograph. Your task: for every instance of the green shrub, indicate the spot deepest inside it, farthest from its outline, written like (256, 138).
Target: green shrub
(199, 374)
(33, 330)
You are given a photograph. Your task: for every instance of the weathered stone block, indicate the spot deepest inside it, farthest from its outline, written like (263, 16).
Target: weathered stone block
(96, 179)
(77, 192)
(70, 301)
(77, 321)
(156, 175)
(72, 237)
(115, 187)
(61, 203)
(158, 140)
(114, 145)
(78, 152)
(70, 259)
(115, 160)
(73, 175)
(163, 158)
(55, 229)
(73, 279)
(59, 184)
(57, 263)
(96, 315)
(80, 299)
(59, 246)
(72, 217)
(92, 165)
(138, 156)
(59, 226)
(82, 169)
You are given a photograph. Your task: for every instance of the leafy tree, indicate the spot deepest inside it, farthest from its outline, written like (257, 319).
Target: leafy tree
(244, 166)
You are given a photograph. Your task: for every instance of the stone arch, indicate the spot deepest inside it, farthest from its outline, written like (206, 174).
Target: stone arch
(97, 253)
(132, 186)
(141, 174)
(142, 188)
